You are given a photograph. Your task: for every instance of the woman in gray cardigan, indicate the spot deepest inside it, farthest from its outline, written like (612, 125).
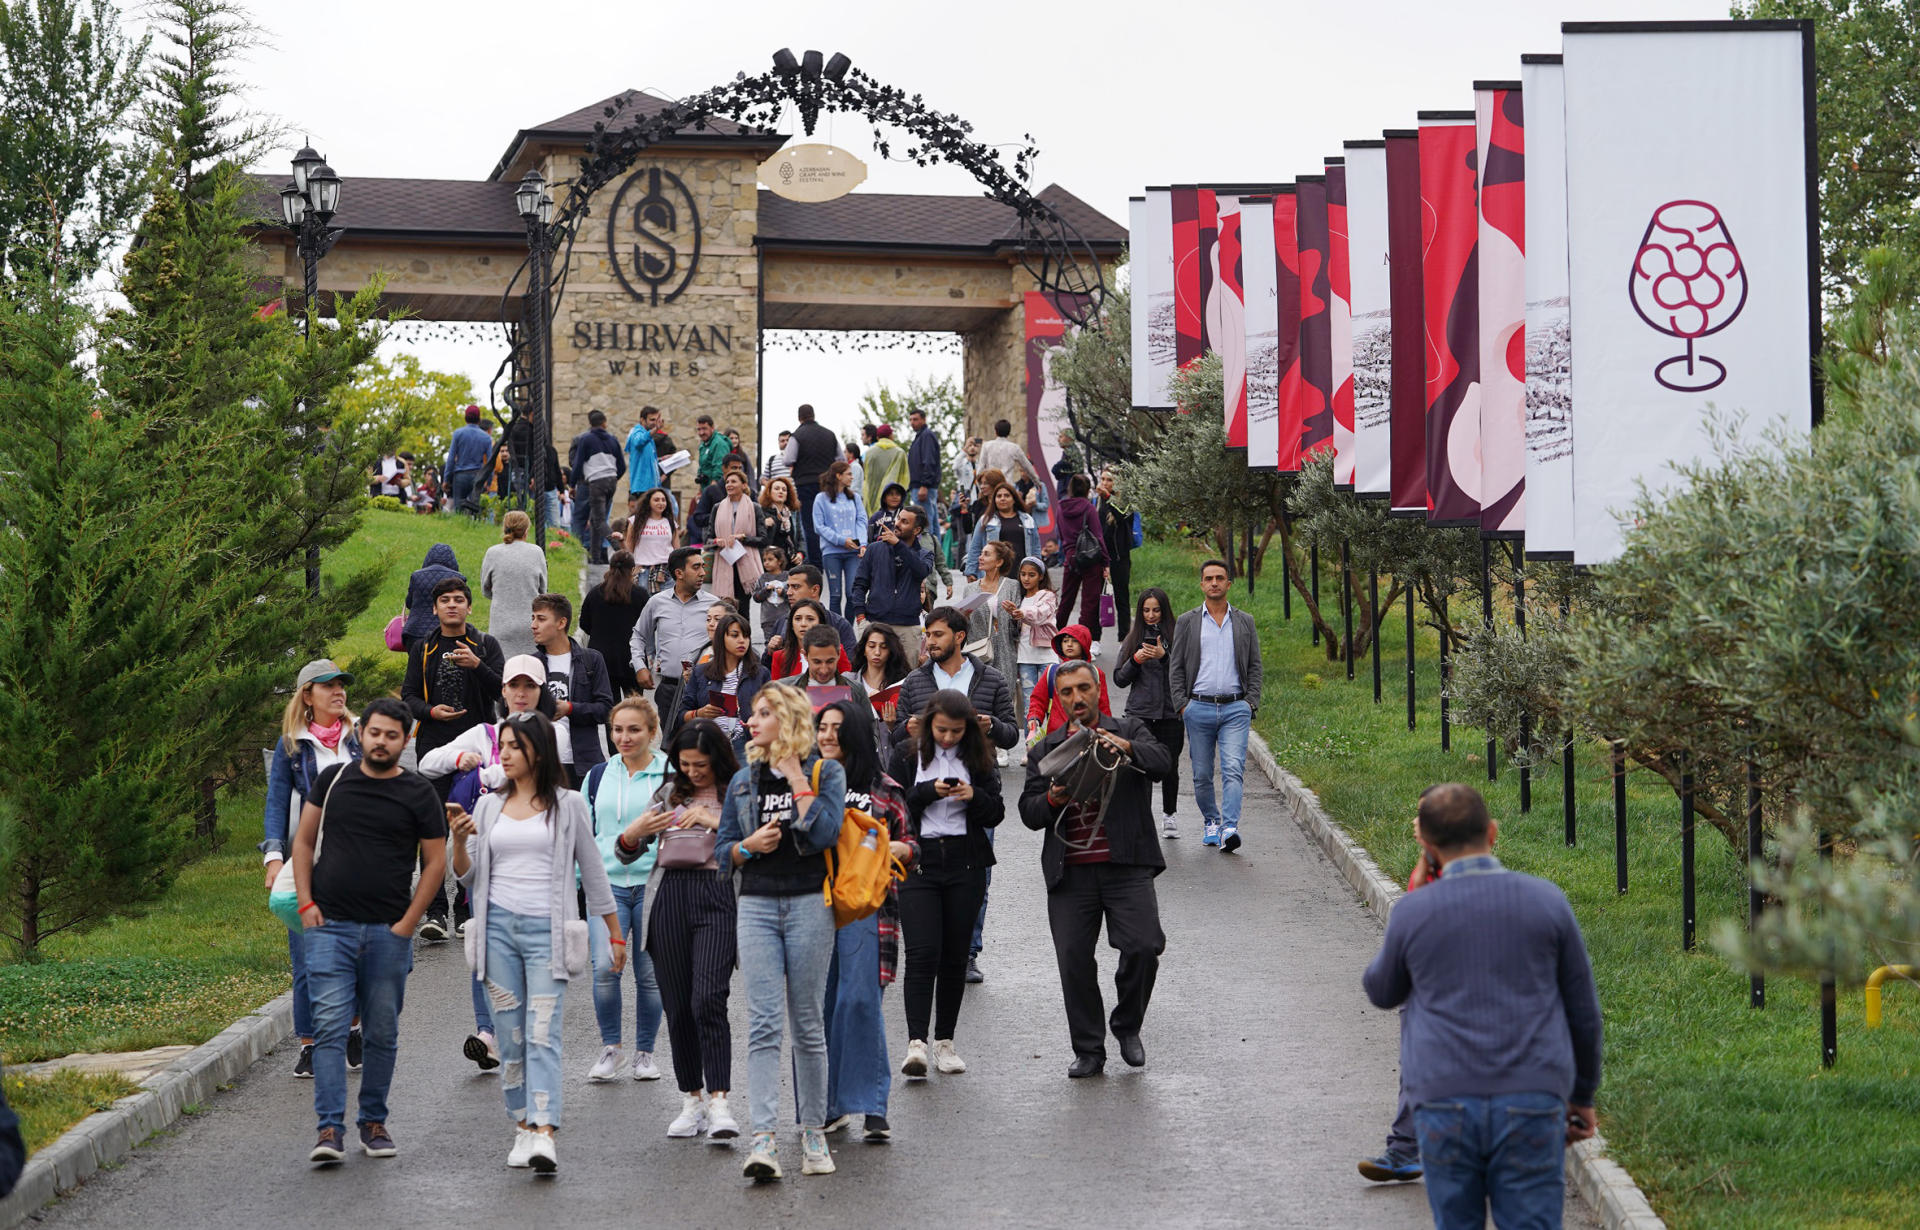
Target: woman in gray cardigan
(513, 574)
(516, 854)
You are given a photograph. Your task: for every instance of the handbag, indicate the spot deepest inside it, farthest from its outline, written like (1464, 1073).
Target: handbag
(395, 627)
(282, 898)
(687, 849)
(1106, 608)
(573, 940)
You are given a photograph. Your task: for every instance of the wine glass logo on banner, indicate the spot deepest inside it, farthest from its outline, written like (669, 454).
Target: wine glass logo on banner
(1688, 282)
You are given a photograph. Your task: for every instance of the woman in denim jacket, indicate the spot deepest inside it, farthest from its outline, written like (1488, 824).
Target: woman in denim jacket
(781, 813)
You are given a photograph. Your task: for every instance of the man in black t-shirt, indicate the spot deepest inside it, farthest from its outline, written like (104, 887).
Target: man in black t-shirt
(353, 861)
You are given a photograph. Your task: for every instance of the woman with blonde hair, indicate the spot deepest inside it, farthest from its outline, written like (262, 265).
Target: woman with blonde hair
(316, 732)
(513, 574)
(781, 814)
(782, 523)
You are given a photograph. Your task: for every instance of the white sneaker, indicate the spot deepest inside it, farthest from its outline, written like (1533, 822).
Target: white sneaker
(1003, 757)
(693, 1117)
(763, 1164)
(1169, 827)
(542, 1155)
(521, 1155)
(915, 1064)
(643, 1067)
(606, 1067)
(815, 1157)
(947, 1060)
(720, 1123)
(1094, 654)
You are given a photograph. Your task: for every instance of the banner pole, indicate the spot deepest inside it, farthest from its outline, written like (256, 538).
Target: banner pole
(1620, 816)
(1346, 603)
(1313, 584)
(1829, 1008)
(1286, 567)
(1486, 618)
(1567, 791)
(1412, 716)
(1373, 599)
(1446, 727)
(1249, 560)
(1756, 850)
(1526, 719)
(1686, 854)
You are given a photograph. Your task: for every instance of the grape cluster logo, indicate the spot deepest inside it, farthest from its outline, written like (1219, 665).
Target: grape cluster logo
(1688, 282)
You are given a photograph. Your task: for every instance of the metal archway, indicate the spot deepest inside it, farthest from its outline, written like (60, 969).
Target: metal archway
(1049, 247)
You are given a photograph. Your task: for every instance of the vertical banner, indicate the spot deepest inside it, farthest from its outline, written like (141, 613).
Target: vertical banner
(1549, 327)
(1692, 233)
(1151, 261)
(1499, 139)
(1045, 324)
(1225, 315)
(1372, 316)
(1286, 282)
(1407, 280)
(1315, 392)
(1189, 338)
(1451, 232)
(1340, 322)
(1262, 329)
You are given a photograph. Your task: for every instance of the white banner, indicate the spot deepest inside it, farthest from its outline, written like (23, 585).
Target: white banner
(1225, 312)
(1372, 318)
(1549, 327)
(1500, 146)
(1262, 326)
(1691, 251)
(1150, 241)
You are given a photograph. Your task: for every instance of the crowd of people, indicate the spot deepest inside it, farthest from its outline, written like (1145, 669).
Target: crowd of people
(657, 793)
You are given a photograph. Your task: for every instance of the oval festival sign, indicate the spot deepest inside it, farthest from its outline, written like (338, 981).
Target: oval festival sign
(812, 173)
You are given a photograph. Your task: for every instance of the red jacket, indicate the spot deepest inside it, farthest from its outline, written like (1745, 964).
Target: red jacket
(1042, 705)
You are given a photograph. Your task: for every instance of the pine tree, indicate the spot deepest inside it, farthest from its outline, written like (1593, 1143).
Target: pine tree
(151, 583)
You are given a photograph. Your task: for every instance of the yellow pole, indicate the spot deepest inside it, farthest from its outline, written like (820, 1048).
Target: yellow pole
(1873, 989)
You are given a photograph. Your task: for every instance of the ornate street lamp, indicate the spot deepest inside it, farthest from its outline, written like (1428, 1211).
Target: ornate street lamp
(307, 206)
(536, 210)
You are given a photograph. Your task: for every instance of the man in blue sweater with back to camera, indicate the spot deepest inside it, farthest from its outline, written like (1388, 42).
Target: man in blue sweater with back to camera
(1500, 1044)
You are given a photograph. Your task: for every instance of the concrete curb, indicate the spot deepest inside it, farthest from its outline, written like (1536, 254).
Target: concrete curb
(104, 1138)
(1605, 1185)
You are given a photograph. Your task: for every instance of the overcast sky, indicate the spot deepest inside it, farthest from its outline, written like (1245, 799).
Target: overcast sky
(1117, 94)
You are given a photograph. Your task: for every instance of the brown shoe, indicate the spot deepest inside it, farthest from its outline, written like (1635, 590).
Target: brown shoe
(327, 1150)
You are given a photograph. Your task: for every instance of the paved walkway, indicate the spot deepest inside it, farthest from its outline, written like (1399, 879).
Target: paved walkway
(1268, 1076)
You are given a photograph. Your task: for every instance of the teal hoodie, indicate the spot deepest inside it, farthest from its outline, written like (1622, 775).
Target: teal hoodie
(618, 800)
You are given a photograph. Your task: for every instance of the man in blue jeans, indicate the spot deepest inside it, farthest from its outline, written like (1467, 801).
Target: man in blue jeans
(467, 456)
(359, 906)
(1213, 675)
(1500, 1053)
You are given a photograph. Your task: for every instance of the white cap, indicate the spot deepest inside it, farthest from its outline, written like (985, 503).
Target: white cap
(524, 664)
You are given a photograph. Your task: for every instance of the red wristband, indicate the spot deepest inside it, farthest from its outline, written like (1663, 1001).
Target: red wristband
(308, 906)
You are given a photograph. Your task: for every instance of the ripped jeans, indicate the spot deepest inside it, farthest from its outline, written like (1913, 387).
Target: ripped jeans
(527, 1001)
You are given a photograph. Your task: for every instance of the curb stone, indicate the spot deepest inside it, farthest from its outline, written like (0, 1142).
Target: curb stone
(1602, 1182)
(106, 1137)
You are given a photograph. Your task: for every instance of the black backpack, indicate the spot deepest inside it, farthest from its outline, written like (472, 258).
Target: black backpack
(1088, 554)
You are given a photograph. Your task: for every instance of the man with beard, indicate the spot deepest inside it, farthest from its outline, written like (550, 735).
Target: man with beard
(1099, 862)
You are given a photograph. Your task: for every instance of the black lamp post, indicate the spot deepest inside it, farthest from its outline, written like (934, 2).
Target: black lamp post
(536, 210)
(308, 205)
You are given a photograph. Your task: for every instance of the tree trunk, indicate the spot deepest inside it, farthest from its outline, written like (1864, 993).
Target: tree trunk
(29, 910)
(1297, 574)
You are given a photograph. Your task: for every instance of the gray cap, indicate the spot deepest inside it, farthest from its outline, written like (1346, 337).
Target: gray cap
(320, 670)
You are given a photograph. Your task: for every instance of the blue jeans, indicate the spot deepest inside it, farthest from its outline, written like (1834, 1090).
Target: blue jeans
(482, 1015)
(629, 906)
(1030, 673)
(355, 965)
(980, 920)
(1506, 1151)
(582, 516)
(460, 488)
(859, 1071)
(1222, 727)
(302, 1006)
(929, 508)
(840, 567)
(527, 1006)
(786, 945)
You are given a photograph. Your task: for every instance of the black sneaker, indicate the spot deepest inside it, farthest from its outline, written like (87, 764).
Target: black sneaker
(356, 1050)
(326, 1149)
(433, 930)
(303, 1066)
(375, 1141)
(973, 969)
(877, 1129)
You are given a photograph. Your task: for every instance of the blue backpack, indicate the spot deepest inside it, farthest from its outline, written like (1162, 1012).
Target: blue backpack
(466, 789)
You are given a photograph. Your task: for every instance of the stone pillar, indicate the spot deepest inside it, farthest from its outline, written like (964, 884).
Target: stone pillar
(995, 374)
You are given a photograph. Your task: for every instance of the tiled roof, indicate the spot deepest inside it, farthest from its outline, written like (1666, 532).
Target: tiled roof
(453, 209)
(640, 105)
(896, 220)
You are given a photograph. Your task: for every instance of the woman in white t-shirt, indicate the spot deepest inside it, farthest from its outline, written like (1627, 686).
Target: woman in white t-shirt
(516, 854)
(652, 534)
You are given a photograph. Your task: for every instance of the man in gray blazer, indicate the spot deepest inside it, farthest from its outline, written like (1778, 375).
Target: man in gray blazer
(1213, 674)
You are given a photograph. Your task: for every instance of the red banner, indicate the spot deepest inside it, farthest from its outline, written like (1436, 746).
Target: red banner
(1046, 324)
(1226, 316)
(1340, 320)
(1316, 338)
(1189, 333)
(1500, 139)
(1451, 230)
(1286, 251)
(1406, 287)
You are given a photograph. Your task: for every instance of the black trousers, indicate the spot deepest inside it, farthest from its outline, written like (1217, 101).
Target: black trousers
(691, 938)
(1172, 734)
(1124, 896)
(938, 905)
(437, 908)
(666, 699)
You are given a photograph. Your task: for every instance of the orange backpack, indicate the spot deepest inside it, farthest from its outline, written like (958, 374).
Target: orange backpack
(861, 867)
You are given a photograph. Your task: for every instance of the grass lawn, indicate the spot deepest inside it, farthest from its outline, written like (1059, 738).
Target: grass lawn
(186, 966)
(1721, 1112)
(49, 1106)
